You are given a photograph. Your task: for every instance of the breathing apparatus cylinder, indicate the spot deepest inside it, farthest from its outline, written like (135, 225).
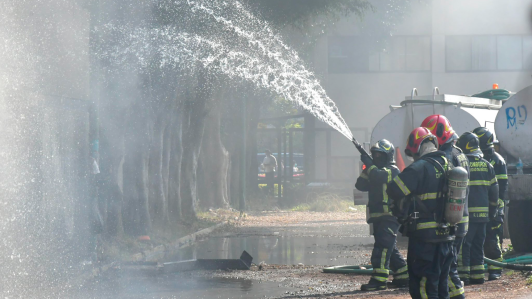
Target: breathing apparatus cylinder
(457, 179)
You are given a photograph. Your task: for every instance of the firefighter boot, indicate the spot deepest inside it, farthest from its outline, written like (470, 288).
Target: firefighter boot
(373, 285)
(400, 283)
(476, 280)
(494, 276)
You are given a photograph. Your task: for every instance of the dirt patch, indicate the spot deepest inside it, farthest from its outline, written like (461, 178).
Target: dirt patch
(308, 281)
(304, 223)
(311, 282)
(297, 219)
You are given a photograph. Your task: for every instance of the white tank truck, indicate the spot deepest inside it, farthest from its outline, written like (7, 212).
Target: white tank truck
(464, 112)
(514, 133)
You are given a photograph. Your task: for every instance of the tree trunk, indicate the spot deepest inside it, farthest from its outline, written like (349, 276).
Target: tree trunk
(111, 155)
(136, 209)
(214, 162)
(232, 122)
(112, 123)
(175, 154)
(194, 109)
(167, 150)
(235, 186)
(157, 199)
(253, 114)
(232, 139)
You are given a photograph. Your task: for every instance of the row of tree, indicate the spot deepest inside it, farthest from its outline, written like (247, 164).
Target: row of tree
(164, 127)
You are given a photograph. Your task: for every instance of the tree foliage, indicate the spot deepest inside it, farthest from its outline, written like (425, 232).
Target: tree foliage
(299, 13)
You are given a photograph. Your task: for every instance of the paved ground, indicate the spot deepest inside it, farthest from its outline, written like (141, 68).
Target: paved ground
(308, 281)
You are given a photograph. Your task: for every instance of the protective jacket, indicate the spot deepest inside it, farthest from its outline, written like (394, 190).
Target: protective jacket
(458, 158)
(375, 181)
(483, 190)
(501, 173)
(421, 182)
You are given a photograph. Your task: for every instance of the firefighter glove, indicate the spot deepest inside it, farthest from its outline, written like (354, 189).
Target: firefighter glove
(366, 160)
(493, 211)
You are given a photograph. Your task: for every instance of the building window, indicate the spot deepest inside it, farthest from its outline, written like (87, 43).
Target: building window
(509, 53)
(483, 53)
(488, 53)
(527, 52)
(356, 54)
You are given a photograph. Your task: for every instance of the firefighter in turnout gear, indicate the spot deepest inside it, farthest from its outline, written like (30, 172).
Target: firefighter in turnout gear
(440, 126)
(482, 206)
(378, 173)
(494, 230)
(418, 191)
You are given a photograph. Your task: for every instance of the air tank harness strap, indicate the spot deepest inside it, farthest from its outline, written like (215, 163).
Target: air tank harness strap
(441, 187)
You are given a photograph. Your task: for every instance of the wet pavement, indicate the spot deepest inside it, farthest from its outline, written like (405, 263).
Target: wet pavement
(124, 285)
(313, 243)
(289, 255)
(282, 250)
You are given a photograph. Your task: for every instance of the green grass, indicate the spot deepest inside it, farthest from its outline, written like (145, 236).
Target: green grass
(510, 252)
(328, 202)
(262, 188)
(529, 280)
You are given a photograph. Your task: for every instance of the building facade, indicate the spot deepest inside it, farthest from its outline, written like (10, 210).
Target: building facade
(461, 47)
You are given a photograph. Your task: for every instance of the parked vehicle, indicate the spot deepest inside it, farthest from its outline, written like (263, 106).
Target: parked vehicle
(465, 113)
(298, 165)
(514, 132)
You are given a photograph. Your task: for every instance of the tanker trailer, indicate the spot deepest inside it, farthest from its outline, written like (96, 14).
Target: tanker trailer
(464, 112)
(514, 133)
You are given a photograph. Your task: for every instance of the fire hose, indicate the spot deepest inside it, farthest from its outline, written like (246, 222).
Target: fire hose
(493, 94)
(513, 264)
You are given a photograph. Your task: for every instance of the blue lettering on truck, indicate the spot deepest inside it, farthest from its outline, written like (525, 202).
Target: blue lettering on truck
(514, 118)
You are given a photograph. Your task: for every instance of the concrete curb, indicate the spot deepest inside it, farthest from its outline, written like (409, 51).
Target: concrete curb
(154, 254)
(163, 251)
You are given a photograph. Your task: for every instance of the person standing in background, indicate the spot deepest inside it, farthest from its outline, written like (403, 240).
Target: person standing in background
(270, 165)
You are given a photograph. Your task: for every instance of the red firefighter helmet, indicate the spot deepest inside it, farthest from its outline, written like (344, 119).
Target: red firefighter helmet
(416, 138)
(440, 126)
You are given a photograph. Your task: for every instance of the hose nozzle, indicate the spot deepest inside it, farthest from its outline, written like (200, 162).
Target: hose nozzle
(355, 142)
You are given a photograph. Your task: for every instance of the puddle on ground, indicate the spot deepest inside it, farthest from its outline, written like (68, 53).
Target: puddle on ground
(271, 249)
(284, 250)
(177, 286)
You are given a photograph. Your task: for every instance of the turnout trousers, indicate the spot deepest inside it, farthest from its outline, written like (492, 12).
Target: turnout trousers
(270, 181)
(492, 245)
(428, 268)
(456, 291)
(385, 255)
(472, 261)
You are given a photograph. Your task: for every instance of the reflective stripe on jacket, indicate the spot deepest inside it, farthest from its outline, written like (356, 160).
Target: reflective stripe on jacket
(375, 181)
(501, 173)
(422, 180)
(483, 190)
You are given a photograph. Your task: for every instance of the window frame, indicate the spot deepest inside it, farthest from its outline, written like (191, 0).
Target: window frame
(368, 71)
(523, 60)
